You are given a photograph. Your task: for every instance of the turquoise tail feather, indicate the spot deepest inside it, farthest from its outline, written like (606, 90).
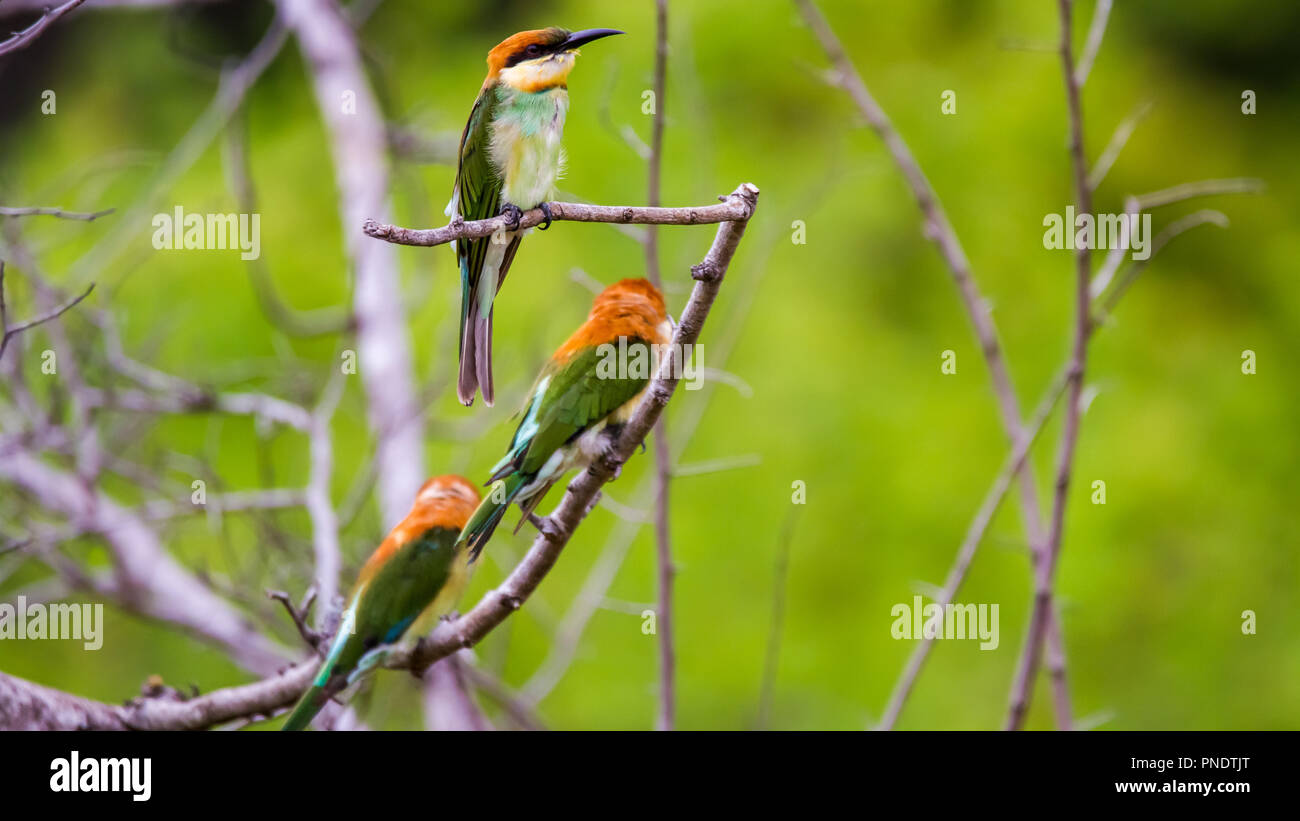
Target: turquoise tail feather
(316, 697)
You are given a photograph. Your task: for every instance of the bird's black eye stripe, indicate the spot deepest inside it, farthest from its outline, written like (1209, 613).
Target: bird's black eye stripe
(532, 51)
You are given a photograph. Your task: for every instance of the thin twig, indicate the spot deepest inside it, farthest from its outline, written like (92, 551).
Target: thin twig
(56, 312)
(1117, 142)
(772, 657)
(299, 614)
(1022, 688)
(324, 518)
(86, 216)
(1201, 188)
(1096, 32)
(523, 715)
(23, 39)
(666, 718)
(1202, 217)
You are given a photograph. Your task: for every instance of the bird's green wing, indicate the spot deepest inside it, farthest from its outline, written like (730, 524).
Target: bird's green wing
(380, 612)
(398, 593)
(571, 398)
(478, 184)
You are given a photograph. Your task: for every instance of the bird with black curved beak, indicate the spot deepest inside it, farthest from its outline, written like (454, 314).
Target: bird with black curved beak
(510, 160)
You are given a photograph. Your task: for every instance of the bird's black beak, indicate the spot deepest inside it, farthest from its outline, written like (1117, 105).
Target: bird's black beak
(579, 38)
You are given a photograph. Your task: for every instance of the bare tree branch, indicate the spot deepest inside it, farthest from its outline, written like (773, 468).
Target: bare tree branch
(727, 211)
(85, 216)
(1201, 188)
(10, 332)
(521, 714)
(1022, 689)
(324, 519)
(23, 39)
(1096, 32)
(147, 578)
(448, 703)
(666, 718)
(358, 144)
(1134, 205)
(299, 614)
(1117, 142)
(20, 6)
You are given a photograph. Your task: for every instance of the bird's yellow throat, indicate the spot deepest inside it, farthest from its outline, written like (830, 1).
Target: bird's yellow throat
(541, 74)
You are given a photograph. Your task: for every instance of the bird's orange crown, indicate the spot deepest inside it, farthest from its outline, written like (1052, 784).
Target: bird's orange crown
(630, 307)
(444, 501)
(526, 45)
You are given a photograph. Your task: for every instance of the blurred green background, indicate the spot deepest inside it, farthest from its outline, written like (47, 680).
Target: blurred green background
(834, 345)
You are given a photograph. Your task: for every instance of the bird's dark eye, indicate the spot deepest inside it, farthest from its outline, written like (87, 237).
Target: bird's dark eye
(533, 50)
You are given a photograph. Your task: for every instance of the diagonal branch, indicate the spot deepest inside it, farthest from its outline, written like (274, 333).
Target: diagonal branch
(55, 313)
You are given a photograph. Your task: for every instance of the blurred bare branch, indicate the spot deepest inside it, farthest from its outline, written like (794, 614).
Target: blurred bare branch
(23, 39)
(84, 216)
(55, 313)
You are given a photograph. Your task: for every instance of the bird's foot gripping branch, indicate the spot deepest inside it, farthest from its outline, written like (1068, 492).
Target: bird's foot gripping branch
(32, 706)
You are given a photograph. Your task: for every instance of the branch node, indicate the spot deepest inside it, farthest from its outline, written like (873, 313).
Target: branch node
(705, 272)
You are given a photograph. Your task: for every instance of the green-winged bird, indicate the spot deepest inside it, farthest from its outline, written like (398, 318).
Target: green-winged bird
(585, 393)
(414, 577)
(510, 160)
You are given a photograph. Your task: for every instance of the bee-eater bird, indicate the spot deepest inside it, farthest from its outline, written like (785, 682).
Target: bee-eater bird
(412, 579)
(583, 396)
(510, 159)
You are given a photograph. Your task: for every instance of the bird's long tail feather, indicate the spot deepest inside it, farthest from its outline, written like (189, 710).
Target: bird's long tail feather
(483, 356)
(320, 692)
(475, 351)
(478, 530)
(467, 382)
(476, 313)
(312, 702)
